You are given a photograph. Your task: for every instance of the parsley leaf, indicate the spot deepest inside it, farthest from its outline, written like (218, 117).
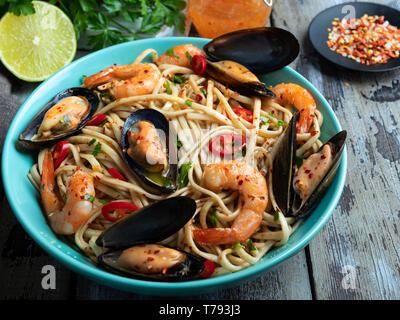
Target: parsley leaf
(183, 174)
(250, 245)
(299, 162)
(170, 52)
(189, 56)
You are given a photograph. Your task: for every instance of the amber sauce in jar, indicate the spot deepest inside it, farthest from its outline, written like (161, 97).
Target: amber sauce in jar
(213, 18)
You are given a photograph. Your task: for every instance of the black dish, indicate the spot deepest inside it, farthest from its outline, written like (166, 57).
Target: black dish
(318, 33)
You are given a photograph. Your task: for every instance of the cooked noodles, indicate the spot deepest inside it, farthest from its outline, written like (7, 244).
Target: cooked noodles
(196, 124)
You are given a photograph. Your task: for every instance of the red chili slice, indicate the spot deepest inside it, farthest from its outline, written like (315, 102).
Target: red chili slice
(199, 64)
(119, 207)
(60, 152)
(227, 144)
(97, 119)
(297, 127)
(209, 267)
(243, 113)
(116, 174)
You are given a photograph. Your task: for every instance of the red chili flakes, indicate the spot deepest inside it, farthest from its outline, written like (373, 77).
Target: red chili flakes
(150, 259)
(368, 40)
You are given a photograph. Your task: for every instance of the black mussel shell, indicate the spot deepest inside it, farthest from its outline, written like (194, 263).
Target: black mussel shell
(189, 269)
(261, 50)
(25, 138)
(160, 123)
(225, 76)
(284, 159)
(302, 209)
(283, 162)
(150, 224)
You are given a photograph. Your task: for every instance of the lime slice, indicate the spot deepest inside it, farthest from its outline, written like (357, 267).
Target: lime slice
(35, 46)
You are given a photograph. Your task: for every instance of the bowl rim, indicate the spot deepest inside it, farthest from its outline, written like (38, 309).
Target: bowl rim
(164, 288)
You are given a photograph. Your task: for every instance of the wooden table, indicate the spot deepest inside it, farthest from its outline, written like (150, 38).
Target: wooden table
(355, 256)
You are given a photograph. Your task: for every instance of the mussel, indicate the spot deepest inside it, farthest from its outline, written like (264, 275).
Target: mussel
(133, 241)
(63, 116)
(261, 50)
(235, 57)
(147, 149)
(238, 77)
(298, 191)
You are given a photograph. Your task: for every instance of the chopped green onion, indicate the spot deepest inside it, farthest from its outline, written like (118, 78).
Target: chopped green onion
(168, 87)
(204, 92)
(170, 52)
(92, 141)
(178, 143)
(189, 56)
(270, 114)
(189, 103)
(281, 123)
(104, 121)
(108, 95)
(238, 245)
(214, 218)
(103, 201)
(177, 79)
(97, 149)
(264, 120)
(65, 199)
(89, 197)
(276, 216)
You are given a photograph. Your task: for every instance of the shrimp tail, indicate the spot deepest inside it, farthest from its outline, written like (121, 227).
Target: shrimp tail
(50, 201)
(245, 225)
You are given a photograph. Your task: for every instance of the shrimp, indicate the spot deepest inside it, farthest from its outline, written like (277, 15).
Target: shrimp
(66, 218)
(126, 80)
(293, 95)
(180, 55)
(251, 184)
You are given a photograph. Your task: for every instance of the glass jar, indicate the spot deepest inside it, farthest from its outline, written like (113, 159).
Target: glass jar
(213, 18)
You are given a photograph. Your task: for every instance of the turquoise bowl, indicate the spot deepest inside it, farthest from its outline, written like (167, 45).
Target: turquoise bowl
(24, 199)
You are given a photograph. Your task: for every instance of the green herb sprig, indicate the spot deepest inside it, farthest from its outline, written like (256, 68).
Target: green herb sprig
(108, 22)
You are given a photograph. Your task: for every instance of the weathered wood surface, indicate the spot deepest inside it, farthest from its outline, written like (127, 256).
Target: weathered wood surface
(361, 238)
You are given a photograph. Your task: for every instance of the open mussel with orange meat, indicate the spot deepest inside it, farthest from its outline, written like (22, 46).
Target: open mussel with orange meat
(146, 148)
(235, 57)
(134, 248)
(63, 116)
(298, 188)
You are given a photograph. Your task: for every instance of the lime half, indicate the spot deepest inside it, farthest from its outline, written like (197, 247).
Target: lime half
(35, 46)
